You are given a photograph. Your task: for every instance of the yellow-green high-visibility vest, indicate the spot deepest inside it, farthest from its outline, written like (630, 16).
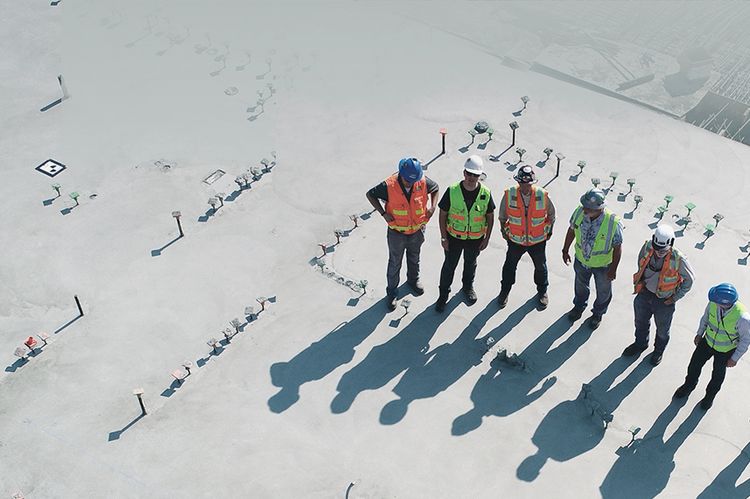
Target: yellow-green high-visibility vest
(722, 335)
(601, 253)
(464, 223)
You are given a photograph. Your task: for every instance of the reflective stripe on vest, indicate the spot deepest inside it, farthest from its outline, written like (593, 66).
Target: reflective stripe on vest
(408, 215)
(601, 253)
(465, 224)
(527, 226)
(669, 276)
(722, 335)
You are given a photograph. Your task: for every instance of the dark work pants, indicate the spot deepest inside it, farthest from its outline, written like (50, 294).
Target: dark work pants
(398, 244)
(514, 254)
(470, 250)
(645, 305)
(701, 354)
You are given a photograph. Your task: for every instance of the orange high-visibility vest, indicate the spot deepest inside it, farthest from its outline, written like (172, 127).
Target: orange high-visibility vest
(408, 215)
(669, 276)
(525, 228)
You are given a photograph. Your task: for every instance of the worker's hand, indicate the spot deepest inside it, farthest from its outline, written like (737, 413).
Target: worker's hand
(566, 257)
(669, 301)
(612, 273)
(444, 243)
(484, 243)
(388, 217)
(731, 363)
(505, 235)
(430, 212)
(697, 340)
(549, 236)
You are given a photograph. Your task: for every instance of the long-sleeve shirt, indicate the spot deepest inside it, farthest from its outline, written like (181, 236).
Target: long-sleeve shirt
(743, 329)
(502, 208)
(651, 275)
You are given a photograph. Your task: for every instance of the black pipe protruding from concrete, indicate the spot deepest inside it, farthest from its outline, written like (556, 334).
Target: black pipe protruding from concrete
(78, 304)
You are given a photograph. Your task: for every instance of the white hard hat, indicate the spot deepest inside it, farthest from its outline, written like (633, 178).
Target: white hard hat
(663, 236)
(474, 165)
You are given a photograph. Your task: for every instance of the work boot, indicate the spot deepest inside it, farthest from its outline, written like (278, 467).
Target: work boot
(656, 358)
(575, 314)
(390, 301)
(416, 287)
(682, 392)
(595, 321)
(471, 296)
(633, 349)
(707, 402)
(441, 303)
(502, 299)
(543, 300)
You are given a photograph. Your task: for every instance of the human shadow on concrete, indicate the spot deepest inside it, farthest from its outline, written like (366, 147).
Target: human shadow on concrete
(447, 363)
(322, 357)
(725, 485)
(568, 430)
(384, 362)
(115, 435)
(644, 467)
(502, 394)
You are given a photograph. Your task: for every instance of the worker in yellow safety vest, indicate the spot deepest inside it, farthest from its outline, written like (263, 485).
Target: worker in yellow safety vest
(598, 236)
(724, 334)
(409, 198)
(466, 220)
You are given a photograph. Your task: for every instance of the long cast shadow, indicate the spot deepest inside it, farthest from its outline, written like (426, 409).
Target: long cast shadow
(71, 321)
(386, 361)
(447, 363)
(115, 435)
(650, 459)
(157, 251)
(725, 484)
(567, 430)
(322, 357)
(497, 394)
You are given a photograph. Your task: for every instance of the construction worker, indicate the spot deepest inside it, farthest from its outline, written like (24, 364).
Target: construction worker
(598, 236)
(724, 334)
(526, 216)
(664, 276)
(466, 220)
(406, 212)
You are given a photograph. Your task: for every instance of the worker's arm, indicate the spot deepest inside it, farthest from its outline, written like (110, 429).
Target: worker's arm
(616, 254)
(569, 237)
(433, 203)
(702, 326)
(490, 217)
(375, 202)
(551, 215)
(743, 329)
(443, 220)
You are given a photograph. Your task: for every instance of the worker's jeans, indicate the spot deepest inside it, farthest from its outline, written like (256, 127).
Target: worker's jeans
(470, 250)
(512, 257)
(582, 289)
(645, 305)
(701, 354)
(398, 243)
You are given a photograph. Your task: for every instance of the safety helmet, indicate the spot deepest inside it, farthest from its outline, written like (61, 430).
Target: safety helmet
(594, 199)
(410, 170)
(525, 175)
(474, 164)
(723, 294)
(663, 236)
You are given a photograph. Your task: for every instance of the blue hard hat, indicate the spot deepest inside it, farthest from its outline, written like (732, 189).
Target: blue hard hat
(410, 170)
(723, 294)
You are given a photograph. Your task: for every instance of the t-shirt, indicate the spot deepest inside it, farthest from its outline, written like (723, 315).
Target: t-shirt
(469, 198)
(380, 191)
